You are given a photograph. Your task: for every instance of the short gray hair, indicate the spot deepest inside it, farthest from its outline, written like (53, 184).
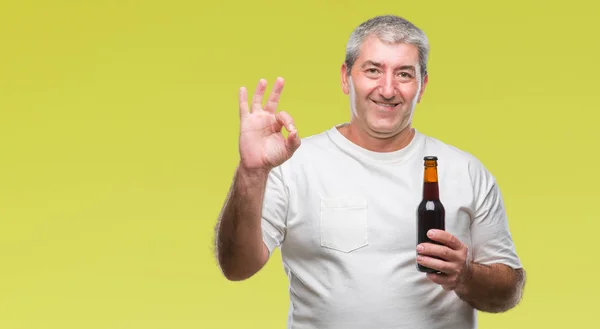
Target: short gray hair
(390, 29)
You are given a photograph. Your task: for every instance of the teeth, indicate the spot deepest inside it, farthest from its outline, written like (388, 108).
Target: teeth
(384, 104)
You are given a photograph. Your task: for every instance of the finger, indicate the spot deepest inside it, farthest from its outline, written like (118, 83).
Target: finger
(258, 95)
(273, 100)
(436, 264)
(243, 99)
(284, 119)
(292, 143)
(435, 250)
(445, 281)
(445, 238)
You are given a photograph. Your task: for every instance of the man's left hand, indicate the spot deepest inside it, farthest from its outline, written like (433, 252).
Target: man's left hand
(452, 262)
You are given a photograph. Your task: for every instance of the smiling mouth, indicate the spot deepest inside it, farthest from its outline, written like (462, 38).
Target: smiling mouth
(387, 105)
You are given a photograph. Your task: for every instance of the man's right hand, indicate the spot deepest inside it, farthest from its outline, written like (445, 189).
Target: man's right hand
(262, 146)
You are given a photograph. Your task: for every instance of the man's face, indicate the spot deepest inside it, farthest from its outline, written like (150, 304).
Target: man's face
(384, 87)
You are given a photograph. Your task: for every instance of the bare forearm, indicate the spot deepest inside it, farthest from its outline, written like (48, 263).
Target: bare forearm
(239, 245)
(492, 288)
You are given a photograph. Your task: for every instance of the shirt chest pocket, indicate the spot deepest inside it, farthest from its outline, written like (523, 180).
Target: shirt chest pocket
(343, 223)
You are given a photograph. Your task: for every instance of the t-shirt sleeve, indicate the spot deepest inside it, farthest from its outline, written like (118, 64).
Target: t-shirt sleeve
(490, 234)
(274, 212)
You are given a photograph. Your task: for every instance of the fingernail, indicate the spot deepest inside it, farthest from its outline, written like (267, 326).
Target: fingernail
(419, 258)
(431, 233)
(420, 248)
(291, 127)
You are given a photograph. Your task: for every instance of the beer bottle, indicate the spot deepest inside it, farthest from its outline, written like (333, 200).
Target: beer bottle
(430, 213)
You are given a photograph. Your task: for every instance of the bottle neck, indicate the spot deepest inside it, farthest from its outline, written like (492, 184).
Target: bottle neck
(431, 189)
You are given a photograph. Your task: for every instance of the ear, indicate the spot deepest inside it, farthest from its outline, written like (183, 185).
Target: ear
(423, 85)
(344, 78)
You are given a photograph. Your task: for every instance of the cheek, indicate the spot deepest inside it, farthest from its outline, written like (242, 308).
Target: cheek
(409, 91)
(365, 87)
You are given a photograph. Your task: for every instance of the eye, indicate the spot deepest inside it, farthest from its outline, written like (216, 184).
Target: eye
(405, 76)
(372, 72)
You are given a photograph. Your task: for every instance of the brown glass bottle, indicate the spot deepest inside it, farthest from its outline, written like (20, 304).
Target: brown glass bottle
(430, 213)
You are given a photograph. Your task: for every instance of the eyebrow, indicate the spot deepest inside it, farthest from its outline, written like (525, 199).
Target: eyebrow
(377, 64)
(371, 63)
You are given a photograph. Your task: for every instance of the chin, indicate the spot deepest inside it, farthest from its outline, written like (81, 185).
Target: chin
(384, 130)
(384, 125)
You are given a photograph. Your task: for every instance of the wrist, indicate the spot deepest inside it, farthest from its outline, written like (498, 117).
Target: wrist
(253, 174)
(465, 280)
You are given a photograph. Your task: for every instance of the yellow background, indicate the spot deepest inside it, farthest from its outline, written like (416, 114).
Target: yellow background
(118, 141)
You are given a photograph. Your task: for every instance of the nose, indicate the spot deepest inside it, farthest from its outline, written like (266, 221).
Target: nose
(387, 87)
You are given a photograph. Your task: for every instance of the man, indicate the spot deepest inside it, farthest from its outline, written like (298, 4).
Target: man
(342, 207)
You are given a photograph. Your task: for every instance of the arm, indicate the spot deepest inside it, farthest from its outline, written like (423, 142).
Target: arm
(492, 288)
(239, 247)
(496, 277)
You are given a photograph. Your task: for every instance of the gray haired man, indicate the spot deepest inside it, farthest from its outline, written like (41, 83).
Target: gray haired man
(341, 204)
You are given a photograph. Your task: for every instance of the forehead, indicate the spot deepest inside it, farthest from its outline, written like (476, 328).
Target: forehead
(392, 55)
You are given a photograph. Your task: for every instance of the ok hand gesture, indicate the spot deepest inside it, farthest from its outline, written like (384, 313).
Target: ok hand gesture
(262, 146)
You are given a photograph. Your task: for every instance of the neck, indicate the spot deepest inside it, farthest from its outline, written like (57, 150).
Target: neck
(372, 142)
(431, 191)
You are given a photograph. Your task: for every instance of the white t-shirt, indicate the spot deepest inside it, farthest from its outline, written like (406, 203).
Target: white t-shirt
(345, 220)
